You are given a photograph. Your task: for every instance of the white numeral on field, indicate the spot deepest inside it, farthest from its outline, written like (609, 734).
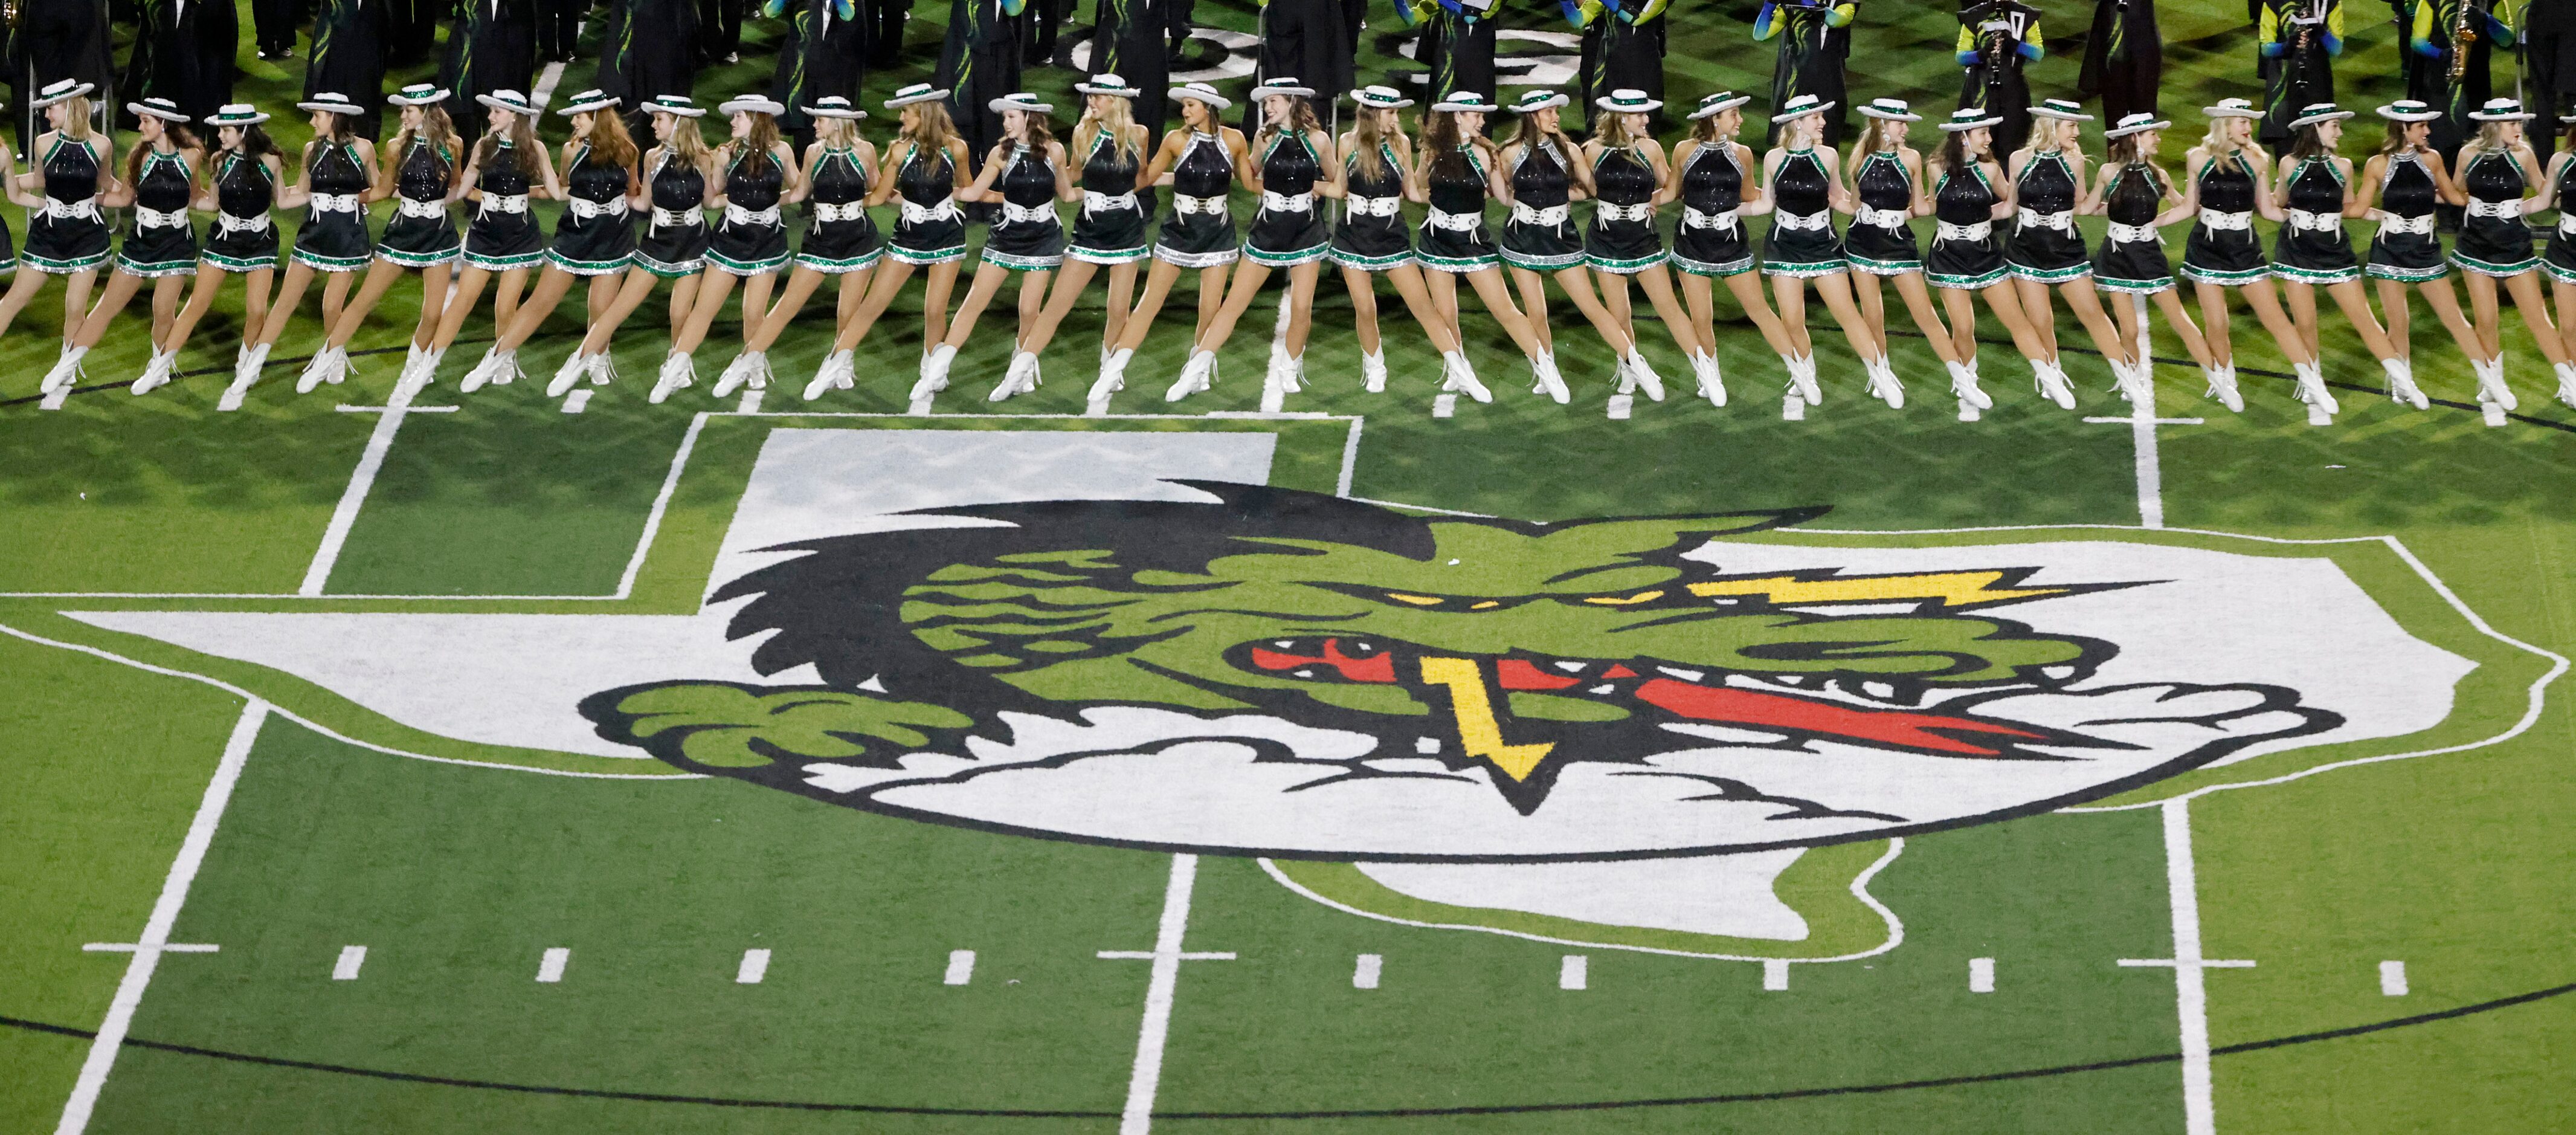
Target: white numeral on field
(346, 969)
(755, 965)
(1364, 975)
(1574, 972)
(551, 969)
(961, 967)
(2392, 978)
(1981, 975)
(1775, 974)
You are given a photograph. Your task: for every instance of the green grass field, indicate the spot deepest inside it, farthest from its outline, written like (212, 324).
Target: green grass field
(343, 815)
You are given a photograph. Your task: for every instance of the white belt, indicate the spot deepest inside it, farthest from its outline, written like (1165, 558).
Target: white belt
(229, 224)
(1822, 220)
(1723, 221)
(1549, 217)
(2227, 222)
(1186, 205)
(587, 209)
(2316, 222)
(1641, 211)
(945, 210)
(156, 219)
(2031, 218)
(2512, 208)
(1287, 202)
(2567, 222)
(737, 215)
(409, 207)
(1456, 222)
(2420, 226)
(1882, 218)
(2135, 234)
(492, 203)
(676, 218)
(1374, 206)
(1978, 233)
(347, 203)
(1025, 214)
(86, 208)
(1094, 201)
(828, 213)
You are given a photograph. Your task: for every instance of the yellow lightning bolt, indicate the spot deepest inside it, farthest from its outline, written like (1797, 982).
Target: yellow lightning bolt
(1473, 706)
(1952, 588)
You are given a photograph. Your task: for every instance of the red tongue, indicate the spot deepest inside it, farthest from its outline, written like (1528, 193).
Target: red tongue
(1896, 727)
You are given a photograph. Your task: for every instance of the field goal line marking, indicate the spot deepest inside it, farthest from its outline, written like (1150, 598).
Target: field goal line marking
(155, 939)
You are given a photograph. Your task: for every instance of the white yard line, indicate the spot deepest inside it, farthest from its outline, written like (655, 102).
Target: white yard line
(1147, 1075)
(354, 498)
(2191, 993)
(156, 929)
(2151, 478)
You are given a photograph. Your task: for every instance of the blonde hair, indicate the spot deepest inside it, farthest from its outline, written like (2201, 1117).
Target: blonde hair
(1611, 130)
(1117, 120)
(2220, 140)
(2490, 137)
(1875, 139)
(931, 128)
(689, 144)
(77, 111)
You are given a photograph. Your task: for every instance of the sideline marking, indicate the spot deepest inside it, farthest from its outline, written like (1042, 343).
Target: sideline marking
(362, 479)
(155, 939)
(550, 969)
(1574, 972)
(961, 967)
(1445, 406)
(2191, 996)
(755, 965)
(1793, 409)
(1981, 975)
(1622, 405)
(751, 400)
(1138, 1117)
(1775, 974)
(577, 401)
(1365, 974)
(351, 958)
(2392, 979)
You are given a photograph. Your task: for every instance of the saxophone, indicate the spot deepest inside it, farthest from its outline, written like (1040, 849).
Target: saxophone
(2464, 31)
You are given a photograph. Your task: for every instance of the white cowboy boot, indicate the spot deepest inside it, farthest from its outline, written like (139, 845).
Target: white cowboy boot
(1113, 375)
(1373, 372)
(1457, 375)
(158, 372)
(1550, 382)
(1802, 378)
(2050, 379)
(1963, 384)
(569, 375)
(495, 367)
(747, 368)
(2491, 385)
(2401, 383)
(1645, 375)
(67, 369)
(2566, 383)
(2312, 386)
(1883, 383)
(1712, 385)
(835, 373)
(934, 371)
(1019, 379)
(1196, 375)
(678, 371)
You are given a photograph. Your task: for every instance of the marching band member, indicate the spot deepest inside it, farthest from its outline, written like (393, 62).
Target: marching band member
(339, 176)
(1628, 177)
(1803, 181)
(160, 180)
(1372, 238)
(246, 180)
(507, 169)
(1026, 175)
(420, 237)
(2299, 40)
(594, 240)
(1709, 244)
(1887, 192)
(1997, 39)
(66, 235)
(2495, 243)
(1966, 260)
(926, 167)
(760, 174)
(1203, 159)
(1815, 43)
(1287, 233)
(1109, 228)
(841, 240)
(2046, 250)
(2399, 187)
(2134, 193)
(2229, 184)
(2314, 186)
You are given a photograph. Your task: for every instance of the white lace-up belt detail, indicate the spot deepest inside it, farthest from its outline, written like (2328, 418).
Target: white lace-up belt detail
(1882, 218)
(587, 209)
(945, 210)
(156, 219)
(1977, 233)
(1722, 221)
(2567, 221)
(1455, 222)
(1186, 205)
(84, 209)
(1287, 202)
(2030, 218)
(737, 215)
(830, 213)
(1374, 206)
(1024, 214)
(676, 218)
(1094, 201)
(2419, 226)
(413, 207)
(229, 224)
(2227, 222)
(1549, 217)
(1641, 211)
(492, 203)
(2501, 209)
(2135, 234)
(2306, 221)
(348, 203)
(1808, 222)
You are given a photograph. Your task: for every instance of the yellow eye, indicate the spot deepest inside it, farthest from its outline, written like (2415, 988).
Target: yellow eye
(1416, 600)
(1487, 605)
(1627, 600)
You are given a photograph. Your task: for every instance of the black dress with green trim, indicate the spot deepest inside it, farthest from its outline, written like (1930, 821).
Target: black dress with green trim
(1965, 253)
(2132, 256)
(928, 229)
(674, 243)
(593, 237)
(1710, 240)
(1540, 236)
(1110, 226)
(67, 234)
(2494, 239)
(2405, 248)
(2222, 248)
(503, 235)
(753, 238)
(2046, 246)
(1289, 228)
(2559, 260)
(1880, 240)
(1454, 237)
(163, 241)
(840, 237)
(1372, 235)
(243, 238)
(422, 231)
(1029, 237)
(1622, 239)
(334, 236)
(1802, 241)
(2311, 247)
(1198, 233)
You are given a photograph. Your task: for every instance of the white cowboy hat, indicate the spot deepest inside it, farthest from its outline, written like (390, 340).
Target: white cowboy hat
(2317, 112)
(2409, 110)
(1465, 102)
(1970, 118)
(1107, 84)
(1628, 100)
(418, 94)
(1380, 98)
(2502, 110)
(508, 100)
(918, 92)
(157, 107)
(332, 103)
(2137, 123)
(1800, 106)
(2232, 108)
(590, 100)
(1539, 100)
(1284, 85)
(1202, 92)
(834, 106)
(1021, 101)
(1718, 104)
(236, 114)
(1894, 110)
(674, 104)
(59, 90)
(2061, 110)
(751, 104)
